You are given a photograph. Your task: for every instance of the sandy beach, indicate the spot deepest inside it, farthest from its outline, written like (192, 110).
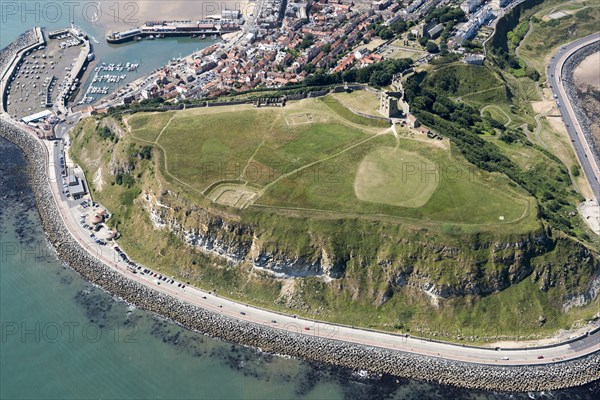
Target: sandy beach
(132, 14)
(588, 72)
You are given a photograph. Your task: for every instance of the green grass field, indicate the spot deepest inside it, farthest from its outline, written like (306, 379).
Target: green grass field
(147, 126)
(396, 177)
(318, 155)
(462, 195)
(361, 101)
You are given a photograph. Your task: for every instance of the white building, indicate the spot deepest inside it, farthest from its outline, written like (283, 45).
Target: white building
(469, 6)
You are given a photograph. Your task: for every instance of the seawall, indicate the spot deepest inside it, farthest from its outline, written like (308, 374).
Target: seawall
(377, 360)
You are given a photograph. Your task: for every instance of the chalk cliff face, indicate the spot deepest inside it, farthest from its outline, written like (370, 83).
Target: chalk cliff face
(233, 241)
(470, 265)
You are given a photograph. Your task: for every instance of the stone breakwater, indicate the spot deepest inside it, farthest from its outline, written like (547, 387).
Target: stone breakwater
(574, 97)
(359, 357)
(6, 54)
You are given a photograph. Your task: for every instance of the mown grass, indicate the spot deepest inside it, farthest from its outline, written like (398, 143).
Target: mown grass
(288, 148)
(202, 149)
(338, 108)
(396, 177)
(360, 100)
(147, 126)
(464, 194)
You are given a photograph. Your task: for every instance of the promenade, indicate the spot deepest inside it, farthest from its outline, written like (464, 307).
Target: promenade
(537, 368)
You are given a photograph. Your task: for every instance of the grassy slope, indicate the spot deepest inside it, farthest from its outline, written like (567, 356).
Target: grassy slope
(545, 38)
(352, 300)
(260, 146)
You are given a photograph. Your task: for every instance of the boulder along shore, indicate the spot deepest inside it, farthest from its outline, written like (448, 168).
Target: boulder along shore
(359, 357)
(317, 349)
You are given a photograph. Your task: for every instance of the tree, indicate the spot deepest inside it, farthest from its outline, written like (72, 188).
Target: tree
(309, 68)
(307, 41)
(399, 26)
(431, 47)
(380, 78)
(386, 34)
(440, 109)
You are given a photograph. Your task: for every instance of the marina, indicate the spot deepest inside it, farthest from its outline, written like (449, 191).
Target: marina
(111, 79)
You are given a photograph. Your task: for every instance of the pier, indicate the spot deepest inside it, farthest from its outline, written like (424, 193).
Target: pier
(160, 29)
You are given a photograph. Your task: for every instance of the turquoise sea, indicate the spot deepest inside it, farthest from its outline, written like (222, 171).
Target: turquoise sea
(63, 338)
(18, 16)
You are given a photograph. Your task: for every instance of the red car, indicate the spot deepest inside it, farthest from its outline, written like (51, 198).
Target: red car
(540, 357)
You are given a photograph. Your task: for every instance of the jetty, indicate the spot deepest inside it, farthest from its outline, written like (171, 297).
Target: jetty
(160, 29)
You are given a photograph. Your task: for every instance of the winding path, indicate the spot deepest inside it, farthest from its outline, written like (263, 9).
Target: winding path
(587, 344)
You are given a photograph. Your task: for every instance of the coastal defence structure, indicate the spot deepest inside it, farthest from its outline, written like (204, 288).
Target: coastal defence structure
(159, 29)
(85, 56)
(7, 74)
(542, 376)
(519, 378)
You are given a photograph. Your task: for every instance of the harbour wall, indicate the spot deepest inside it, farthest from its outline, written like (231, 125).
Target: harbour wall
(314, 348)
(318, 349)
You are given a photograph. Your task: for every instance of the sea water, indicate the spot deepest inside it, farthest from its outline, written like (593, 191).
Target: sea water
(63, 338)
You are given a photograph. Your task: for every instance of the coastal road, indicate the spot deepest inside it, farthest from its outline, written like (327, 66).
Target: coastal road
(527, 356)
(232, 309)
(556, 82)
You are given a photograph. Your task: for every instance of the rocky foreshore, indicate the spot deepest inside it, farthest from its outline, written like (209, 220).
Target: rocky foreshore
(359, 357)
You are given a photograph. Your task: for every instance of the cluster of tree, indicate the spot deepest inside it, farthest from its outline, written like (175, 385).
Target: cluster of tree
(106, 134)
(145, 153)
(445, 80)
(388, 32)
(124, 179)
(445, 14)
(378, 74)
(462, 125)
(584, 14)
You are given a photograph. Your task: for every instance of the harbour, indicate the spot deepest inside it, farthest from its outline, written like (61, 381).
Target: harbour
(251, 373)
(94, 92)
(161, 29)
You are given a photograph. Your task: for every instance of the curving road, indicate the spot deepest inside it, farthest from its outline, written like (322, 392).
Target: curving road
(556, 83)
(529, 356)
(69, 211)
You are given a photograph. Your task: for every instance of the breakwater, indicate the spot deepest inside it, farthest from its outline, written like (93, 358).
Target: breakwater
(584, 117)
(377, 360)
